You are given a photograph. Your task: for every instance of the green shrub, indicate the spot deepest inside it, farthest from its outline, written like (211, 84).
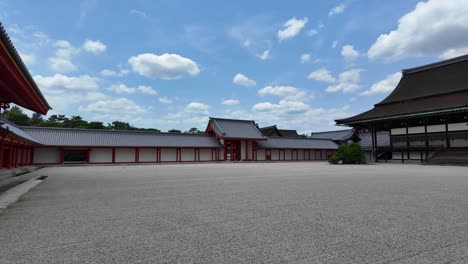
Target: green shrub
(348, 154)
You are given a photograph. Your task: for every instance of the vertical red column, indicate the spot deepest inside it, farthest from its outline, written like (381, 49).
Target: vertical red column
(62, 157)
(1, 152)
(21, 153)
(113, 155)
(15, 156)
(88, 155)
(31, 156)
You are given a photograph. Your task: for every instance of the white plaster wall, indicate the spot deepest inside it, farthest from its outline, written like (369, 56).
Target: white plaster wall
(187, 154)
(147, 155)
(416, 155)
(260, 154)
(287, 154)
(46, 155)
(396, 155)
(458, 126)
(275, 155)
(205, 154)
(436, 128)
(125, 155)
(398, 131)
(100, 155)
(300, 154)
(416, 130)
(220, 154)
(243, 146)
(168, 154)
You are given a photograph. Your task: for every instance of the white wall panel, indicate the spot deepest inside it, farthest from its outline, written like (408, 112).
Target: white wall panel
(287, 154)
(168, 154)
(97, 155)
(147, 155)
(46, 155)
(261, 154)
(275, 155)
(188, 154)
(398, 131)
(205, 154)
(125, 154)
(436, 128)
(416, 130)
(458, 143)
(458, 126)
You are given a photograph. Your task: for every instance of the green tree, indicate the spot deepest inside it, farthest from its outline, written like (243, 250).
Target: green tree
(36, 119)
(348, 154)
(118, 125)
(77, 122)
(95, 125)
(174, 131)
(193, 130)
(16, 115)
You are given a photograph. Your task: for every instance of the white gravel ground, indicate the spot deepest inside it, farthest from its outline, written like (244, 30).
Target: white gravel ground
(308, 212)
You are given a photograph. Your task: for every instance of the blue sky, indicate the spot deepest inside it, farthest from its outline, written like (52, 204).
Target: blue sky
(172, 64)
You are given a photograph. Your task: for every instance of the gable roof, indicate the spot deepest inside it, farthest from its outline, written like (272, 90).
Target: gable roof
(9, 127)
(289, 133)
(235, 129)
(35, 100)
(336, 135)
(297, 143)
(435, 88)
(116, 138)
(270, 131)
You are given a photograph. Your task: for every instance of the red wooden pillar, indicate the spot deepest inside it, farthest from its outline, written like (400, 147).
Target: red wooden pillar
(113, 155)
(158, 154)
(1, 152)
(21, 152)
(137, 155)
(31, 156)
(15, 156)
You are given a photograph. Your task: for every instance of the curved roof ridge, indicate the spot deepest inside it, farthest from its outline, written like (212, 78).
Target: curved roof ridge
(435, 64)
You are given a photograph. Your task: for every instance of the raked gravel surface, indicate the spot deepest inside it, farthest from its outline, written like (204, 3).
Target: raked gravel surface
(297, 212)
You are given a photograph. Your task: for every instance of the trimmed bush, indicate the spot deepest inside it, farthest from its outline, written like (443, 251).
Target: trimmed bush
(348, 154)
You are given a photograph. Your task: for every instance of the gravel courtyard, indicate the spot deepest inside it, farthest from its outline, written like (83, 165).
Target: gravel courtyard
(308, 212)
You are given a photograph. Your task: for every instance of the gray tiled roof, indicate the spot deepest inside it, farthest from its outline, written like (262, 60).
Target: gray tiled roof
(233, 128)
(12, 128)
(338, 135)
(112, 138)
(383, 139)
(297, 143)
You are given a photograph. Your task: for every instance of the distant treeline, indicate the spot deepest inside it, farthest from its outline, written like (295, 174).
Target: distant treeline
(16, 116)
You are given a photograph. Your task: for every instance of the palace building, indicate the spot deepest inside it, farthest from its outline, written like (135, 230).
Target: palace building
(426, 115)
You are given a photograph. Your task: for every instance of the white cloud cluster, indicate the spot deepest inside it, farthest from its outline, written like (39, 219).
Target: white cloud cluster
(165, 66)
(165, 100)
(322, 75)
(61, 62)
(347, 82)
(291, 28)
(59, 81)
(94, 46)
(199, 108)
(231, 102)
(287, 92)
(384, 86)
(349, 53)
(305, 58)
(147, 90)
(264, 55)
(112, 73)
(114, 106)
(434, 27)
(121, 89)
(243, 80)
(337, 10)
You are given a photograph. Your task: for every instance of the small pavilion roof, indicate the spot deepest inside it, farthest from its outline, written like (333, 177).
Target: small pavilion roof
(297, 143)
(272, 131)
(73, 137)
(430, 89)
(17, 85)
(235, 129)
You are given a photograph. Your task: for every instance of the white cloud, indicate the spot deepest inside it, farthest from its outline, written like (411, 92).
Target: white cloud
(347, 82)
(433, 28)
(265, 55)
(28, 58)
(165, 66)
(61, 62)
(94, 46)
(349, 53)
(305, 58)
(139, 13)
(322, 75)
(291, 28)
(147, 90)
(110, 73)
(451, 53)
(114, 106)
(121, 89)
(242, 80)
(334, 44)
(312, 32)
(384, 86)
(165, 100)
(231, 102)
(284, 106)
(83, 82)
(288, 93)
(197, 107)
(337, 10)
